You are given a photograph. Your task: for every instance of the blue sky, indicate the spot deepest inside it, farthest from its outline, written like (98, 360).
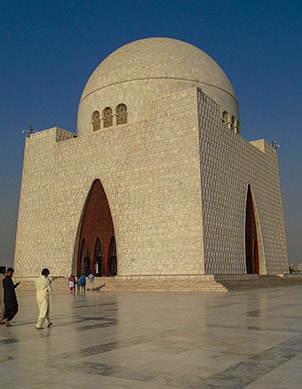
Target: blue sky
(48, 50)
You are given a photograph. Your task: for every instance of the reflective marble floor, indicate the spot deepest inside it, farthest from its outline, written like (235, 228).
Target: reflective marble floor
(243, 339)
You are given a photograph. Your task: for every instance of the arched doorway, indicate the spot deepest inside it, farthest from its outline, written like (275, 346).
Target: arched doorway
(96, 231)
(98, 262)
(251, 242)
(84, 259)
(112, 258)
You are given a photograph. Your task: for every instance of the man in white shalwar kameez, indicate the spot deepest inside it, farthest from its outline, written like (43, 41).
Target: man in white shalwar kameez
(43, 287)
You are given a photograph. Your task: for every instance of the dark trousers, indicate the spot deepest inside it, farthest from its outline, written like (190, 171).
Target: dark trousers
(11, 309)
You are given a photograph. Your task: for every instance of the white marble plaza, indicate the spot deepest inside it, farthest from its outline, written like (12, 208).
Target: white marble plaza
(244, 339)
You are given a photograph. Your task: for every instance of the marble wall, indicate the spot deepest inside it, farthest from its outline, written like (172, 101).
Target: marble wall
(176, 185)
(228, 164)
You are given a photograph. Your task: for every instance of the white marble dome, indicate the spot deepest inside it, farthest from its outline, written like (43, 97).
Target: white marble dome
(147, 69)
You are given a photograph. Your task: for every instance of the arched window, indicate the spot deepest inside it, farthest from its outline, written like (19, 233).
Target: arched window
(95, 120)
(121, 114)
(107, 117)
(233, 123)
(237, 130)
(226, 119)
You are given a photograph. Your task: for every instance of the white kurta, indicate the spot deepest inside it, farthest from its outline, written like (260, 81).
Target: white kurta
(43, 287)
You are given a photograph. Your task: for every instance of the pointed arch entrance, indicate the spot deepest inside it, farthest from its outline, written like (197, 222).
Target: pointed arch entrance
(251, 241)
(99, 265)
(84, 258)
(112, 258)
(96, 233)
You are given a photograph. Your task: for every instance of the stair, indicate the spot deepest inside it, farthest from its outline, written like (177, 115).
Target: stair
(181, 286)
(258, 281)
(202, 283)
(29, 284)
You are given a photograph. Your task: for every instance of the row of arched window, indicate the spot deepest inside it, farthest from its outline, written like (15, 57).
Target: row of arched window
(106, 120)
(230, 122)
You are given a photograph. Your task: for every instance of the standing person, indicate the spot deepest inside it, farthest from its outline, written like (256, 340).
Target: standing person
(43, 287)
(78, 283)
(2, 272)
(91, 281)
(83, 282)
(10, 298)
(71, 281)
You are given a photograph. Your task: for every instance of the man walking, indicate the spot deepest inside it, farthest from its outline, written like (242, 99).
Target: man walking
(91, 281)
(10, 298)
(83, 282)
(2, 272)
(43, 287)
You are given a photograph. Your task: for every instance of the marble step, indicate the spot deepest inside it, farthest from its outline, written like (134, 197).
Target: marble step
(110, 284)
(259, 282)
(57, 284)
(220, 283)
(165, 286)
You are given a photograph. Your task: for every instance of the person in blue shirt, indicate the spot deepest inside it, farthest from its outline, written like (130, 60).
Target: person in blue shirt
(83, 282)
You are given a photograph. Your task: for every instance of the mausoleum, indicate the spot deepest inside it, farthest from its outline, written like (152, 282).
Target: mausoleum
(158, 179)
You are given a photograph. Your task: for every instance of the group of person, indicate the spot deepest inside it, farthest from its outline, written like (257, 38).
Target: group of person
(79, 283)
(8, 299)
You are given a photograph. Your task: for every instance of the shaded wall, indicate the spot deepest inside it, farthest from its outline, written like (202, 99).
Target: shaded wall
(228, 164)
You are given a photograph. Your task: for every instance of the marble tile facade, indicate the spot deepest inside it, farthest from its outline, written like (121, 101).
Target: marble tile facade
(228, 164)
(176, 186)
